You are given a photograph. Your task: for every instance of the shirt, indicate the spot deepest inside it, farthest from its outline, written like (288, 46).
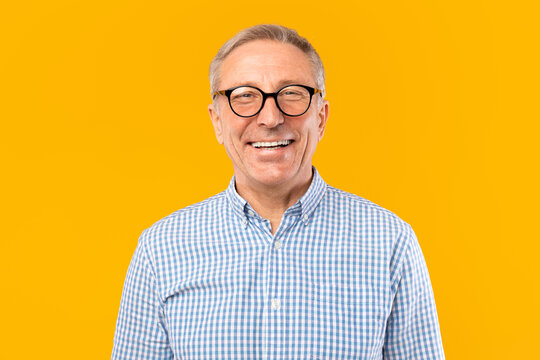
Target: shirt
(342, 278)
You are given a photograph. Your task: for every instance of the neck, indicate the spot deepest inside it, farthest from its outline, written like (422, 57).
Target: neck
(271, 202)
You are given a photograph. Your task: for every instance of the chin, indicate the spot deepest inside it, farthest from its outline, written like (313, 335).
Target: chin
(273, 176)
(269, 178)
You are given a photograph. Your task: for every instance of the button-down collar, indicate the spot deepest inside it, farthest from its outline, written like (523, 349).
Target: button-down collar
(304, 207)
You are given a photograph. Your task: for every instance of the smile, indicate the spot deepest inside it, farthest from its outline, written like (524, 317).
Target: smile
(271, 145)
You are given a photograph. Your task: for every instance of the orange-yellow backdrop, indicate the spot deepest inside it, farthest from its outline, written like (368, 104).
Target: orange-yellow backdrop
(434, 112)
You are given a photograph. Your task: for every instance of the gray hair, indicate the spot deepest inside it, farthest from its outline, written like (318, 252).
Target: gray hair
(267, 32)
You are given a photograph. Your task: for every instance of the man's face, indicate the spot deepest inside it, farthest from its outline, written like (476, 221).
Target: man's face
(269, 65)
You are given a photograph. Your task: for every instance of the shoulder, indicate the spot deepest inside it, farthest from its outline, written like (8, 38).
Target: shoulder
(376, 226)
(183, 221)
(359, 208)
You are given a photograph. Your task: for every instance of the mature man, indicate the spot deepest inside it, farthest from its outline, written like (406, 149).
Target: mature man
(280, 265)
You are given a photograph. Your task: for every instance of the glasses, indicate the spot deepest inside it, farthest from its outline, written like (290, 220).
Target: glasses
(248, 101)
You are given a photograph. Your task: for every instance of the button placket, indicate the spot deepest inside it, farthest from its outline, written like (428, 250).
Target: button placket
(275, 304)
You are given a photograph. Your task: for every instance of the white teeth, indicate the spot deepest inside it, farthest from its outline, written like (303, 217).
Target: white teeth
(260, 144)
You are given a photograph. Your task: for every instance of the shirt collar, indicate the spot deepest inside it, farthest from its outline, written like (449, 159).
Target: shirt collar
(306, 204)
(238, 203)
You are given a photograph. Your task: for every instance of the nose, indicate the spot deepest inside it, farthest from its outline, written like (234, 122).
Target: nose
(270, 116)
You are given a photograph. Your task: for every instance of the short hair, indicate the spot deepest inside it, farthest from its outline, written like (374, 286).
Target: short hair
(267, 32)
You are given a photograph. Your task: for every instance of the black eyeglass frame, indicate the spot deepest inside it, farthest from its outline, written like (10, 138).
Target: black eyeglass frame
(312, 91)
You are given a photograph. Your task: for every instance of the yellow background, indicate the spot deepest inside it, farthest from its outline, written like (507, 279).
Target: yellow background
(104, 130)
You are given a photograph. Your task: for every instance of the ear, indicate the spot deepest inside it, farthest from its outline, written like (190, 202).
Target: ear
(323, 117)
(216, 121)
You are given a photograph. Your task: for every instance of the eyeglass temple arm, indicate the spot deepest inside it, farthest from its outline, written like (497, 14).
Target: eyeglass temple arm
(222, 92)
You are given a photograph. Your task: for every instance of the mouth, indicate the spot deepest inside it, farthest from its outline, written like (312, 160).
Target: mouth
(271, 145)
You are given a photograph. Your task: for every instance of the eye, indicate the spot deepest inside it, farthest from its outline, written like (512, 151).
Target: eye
(245, 94)
(291, 93)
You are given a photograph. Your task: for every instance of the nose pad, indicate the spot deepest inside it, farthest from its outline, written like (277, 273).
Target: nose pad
(270, 115)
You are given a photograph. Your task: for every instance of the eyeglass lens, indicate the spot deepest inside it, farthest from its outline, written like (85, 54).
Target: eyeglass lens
(292, 100)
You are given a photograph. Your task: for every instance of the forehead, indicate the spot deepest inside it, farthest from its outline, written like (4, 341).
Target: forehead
(267, 64)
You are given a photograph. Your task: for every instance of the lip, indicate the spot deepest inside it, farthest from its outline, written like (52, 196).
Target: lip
(270, 140)
(271, 153)
(271, 149)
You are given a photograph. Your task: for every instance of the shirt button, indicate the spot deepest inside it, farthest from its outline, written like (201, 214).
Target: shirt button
(277, 245)
(275, 304)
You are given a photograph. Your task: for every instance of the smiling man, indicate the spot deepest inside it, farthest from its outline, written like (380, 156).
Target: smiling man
(270, 137)
(280, 265)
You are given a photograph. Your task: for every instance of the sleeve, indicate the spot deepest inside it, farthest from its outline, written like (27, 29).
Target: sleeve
(412, 330)
(140, 329)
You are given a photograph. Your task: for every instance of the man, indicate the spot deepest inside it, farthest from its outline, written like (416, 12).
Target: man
(280, 265)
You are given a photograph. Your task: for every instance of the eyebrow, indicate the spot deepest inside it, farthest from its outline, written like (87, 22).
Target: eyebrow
(279, 85)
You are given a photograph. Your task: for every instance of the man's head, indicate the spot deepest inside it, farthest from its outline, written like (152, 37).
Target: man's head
(270, 148)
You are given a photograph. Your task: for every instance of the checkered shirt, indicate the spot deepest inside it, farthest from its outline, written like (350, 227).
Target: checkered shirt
(342, 278)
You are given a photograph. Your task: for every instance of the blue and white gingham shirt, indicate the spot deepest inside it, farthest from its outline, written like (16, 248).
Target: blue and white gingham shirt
(342, 278)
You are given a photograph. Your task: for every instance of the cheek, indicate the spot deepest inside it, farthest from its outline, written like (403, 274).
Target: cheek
(231, 128)
(233, 133)
(312, 138)
(311, 131)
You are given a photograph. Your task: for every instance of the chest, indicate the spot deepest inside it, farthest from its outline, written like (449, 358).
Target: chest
(275, 297)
